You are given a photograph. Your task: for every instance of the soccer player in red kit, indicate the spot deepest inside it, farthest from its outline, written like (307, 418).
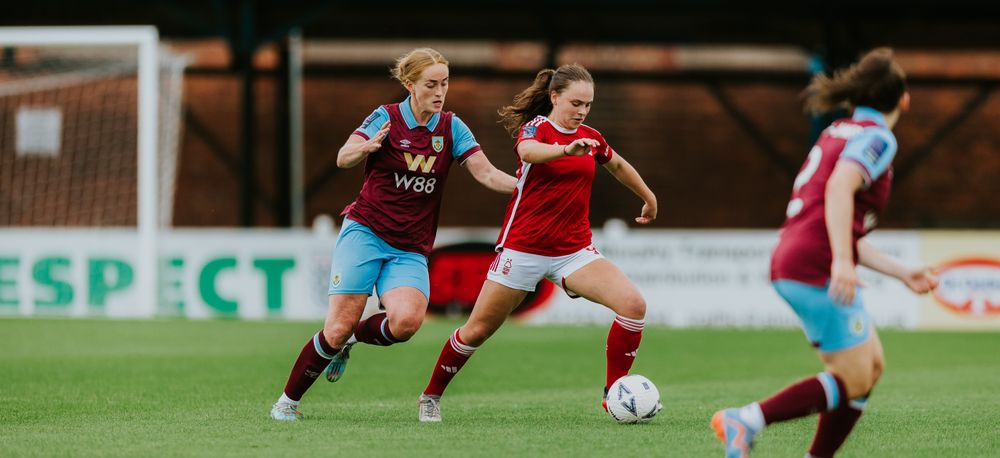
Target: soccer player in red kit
(388, 231)
(546, 232)
(836, 198)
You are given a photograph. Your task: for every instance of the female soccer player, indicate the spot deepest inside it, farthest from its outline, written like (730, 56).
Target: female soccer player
(546, 232)
(389, 229)
(835, 200)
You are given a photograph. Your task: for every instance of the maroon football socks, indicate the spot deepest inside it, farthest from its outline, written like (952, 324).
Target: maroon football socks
(313, 358)
(821, 393)
(834, 427)
(375, 331)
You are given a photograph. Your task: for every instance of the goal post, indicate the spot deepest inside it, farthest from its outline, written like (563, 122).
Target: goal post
(144, 40)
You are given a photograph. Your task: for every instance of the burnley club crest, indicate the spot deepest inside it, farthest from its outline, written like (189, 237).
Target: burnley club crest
(437, 142)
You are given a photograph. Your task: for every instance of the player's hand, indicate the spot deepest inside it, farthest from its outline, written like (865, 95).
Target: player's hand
(373, 144)
(648, 213)
(580, 146)
(844, 281)
(921, 279)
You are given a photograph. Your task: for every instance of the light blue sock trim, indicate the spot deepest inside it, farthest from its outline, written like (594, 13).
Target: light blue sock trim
(319, 348)
(829, 383)
(382, 330)
(858, 403)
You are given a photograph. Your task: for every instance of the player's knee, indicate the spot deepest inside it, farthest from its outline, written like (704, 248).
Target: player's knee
(405, 326)
(474, 334)
(856, 383)
(336, 334)
(633, 306)
(878, 367)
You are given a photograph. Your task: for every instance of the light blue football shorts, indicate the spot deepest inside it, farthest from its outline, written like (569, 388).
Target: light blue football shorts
(362, 260)
(828, 325)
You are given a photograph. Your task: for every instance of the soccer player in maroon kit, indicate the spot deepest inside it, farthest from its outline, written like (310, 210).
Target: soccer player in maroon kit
(836, 198)
(546, 232)
(388, 231)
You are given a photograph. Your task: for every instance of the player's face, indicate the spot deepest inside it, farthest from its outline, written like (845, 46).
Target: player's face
(571, 106)
(429, 90)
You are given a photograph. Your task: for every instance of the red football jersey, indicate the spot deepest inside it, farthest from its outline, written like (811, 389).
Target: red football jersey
(549, 212)
(803, 251)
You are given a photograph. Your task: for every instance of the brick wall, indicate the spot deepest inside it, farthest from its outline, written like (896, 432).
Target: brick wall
(702, 165)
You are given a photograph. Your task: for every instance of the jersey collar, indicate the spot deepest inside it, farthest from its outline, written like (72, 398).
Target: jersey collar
(862, 113)
(560, 128)
(411, 121)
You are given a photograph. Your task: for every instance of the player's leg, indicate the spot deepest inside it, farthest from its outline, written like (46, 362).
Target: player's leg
(830, 327)
(493, 306)
(839, 332)
(405, 308)
(344, 311)
(404, 287)
(599, 280)
(834, 426)
(354, 268)
(503, 290)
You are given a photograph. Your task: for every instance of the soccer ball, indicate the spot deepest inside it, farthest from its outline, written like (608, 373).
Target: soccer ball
(633, 399)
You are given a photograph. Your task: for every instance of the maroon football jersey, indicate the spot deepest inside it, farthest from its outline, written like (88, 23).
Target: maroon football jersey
(400, 200)
(803, 251)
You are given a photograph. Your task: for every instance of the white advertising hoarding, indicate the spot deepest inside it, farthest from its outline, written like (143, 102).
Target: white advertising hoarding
(689, 278)
(721, 278)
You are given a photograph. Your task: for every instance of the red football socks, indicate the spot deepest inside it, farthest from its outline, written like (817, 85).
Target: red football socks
(453, 357)
(623, 341)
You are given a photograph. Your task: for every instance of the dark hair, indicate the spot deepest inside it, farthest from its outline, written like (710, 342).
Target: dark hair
(875, 81)
(535, 100)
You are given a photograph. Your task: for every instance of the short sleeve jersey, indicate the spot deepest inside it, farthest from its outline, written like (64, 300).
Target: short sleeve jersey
(549, 212)
(803, 252)
(400, 200)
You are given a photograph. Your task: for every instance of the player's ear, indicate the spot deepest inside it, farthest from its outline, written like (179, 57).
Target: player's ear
(553, 97)
(904, 102)
(408, 85)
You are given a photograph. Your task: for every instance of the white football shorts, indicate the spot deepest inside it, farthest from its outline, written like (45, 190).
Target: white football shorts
(520, 270)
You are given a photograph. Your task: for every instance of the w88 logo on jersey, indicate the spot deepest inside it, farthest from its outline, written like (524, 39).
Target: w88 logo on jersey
(417, 163)
(417, 184)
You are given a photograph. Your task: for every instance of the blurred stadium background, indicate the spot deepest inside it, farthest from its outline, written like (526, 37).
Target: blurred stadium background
(256, 97)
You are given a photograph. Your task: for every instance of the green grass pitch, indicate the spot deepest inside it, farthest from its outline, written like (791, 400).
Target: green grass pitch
(182, 388)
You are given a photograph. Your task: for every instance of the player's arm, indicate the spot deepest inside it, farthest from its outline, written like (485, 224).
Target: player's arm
(357, 148)
(847, 178)
(628, 176)
(535, 152)
(920, 279)
(469, 154)
(488, 175)
(865, 158)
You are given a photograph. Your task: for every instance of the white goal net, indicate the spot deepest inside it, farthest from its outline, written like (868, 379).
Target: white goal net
(90, 122)
(69, 127)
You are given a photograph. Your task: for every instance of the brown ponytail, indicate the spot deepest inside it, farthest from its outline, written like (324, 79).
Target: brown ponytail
(535, 100)
(875, 81)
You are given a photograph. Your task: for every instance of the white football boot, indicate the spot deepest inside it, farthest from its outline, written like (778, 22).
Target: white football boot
(430, 408)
